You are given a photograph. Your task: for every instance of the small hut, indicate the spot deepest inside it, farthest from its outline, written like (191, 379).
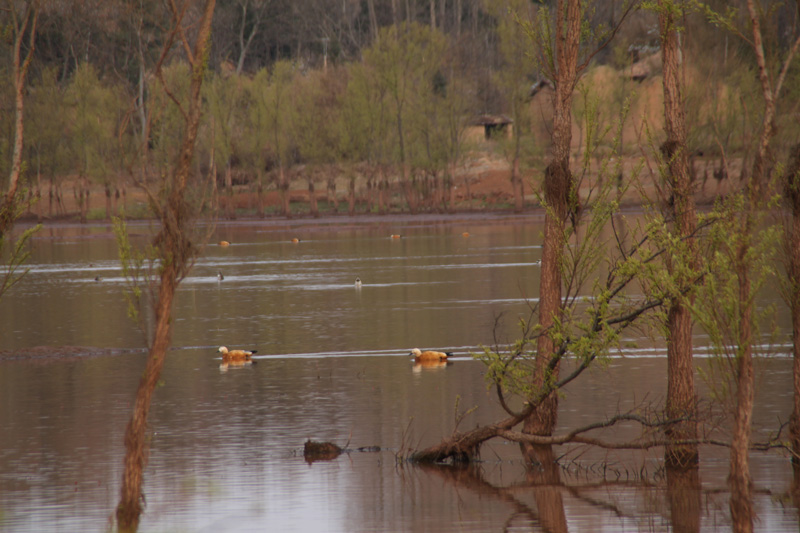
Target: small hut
(489, 127)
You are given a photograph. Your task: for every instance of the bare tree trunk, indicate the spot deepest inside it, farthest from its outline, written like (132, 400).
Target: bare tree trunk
(312, 196)
(681, 400)
(51, 196)
(741, 483)
(383, 185)
(458, 19)
(260, 193)
(351, 196)
(230, 207)
(107, 187)
(130, 505)
(8, 208)
(684, 496)
(451, 190)
(244, 45)
(373, 20)
(741, 503)
(333, 201)
(39, 203)
(410, 190)
(212, 174)
(558, 188)
(516, 183)
(176, 252)
(283, 185)
(792, 192)
(371, 188)
(545, 480)
(82, 194)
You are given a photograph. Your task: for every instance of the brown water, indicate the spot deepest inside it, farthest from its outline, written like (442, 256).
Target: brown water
(226, 448)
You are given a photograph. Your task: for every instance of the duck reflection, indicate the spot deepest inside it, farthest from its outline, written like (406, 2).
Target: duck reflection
(226, 365)
(419, 366)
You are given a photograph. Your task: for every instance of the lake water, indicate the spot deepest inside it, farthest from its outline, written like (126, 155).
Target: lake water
(226, 448)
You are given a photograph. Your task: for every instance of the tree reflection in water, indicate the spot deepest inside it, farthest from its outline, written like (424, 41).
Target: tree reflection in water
(539, 500)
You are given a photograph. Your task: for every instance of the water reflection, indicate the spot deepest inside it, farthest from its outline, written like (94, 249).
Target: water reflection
(332, 365)
(684, 494)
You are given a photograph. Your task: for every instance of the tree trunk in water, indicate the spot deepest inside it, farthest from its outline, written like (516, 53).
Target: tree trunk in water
(681, 400)
(130, 505)
(684, 496)
(545, 479)
(176, 251)
(558, 189)
(26, 24)
(792, 192)
(741, 503)
(741, 484)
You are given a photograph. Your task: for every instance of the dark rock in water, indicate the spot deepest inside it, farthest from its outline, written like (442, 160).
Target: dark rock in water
(369, 449)
(320, 451)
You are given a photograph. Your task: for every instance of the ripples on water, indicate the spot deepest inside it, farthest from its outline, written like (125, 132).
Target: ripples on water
(332, 364)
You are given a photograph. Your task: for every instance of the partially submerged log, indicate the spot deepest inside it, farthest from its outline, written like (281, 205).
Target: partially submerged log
(320, 451)
(327, 451)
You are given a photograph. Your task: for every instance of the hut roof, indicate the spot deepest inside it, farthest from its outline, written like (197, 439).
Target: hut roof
(491, 120)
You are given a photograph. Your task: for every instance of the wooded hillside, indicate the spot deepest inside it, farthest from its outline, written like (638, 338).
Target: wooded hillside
(368, 103)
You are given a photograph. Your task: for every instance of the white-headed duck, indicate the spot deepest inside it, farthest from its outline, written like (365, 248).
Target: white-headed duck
(234, 356)
(429, 355)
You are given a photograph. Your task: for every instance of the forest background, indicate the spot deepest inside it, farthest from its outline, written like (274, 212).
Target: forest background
(370, 105)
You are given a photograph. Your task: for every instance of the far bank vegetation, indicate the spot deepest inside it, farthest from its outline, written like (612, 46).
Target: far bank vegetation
(377, 108)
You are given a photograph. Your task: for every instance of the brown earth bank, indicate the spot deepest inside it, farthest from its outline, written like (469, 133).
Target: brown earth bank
(481, 185)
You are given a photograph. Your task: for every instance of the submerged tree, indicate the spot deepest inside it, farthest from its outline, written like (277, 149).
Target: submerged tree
(742, 264)
(174, 248)
(589, 326)
(792, 250)
(22, 27)
(680, 212)
(561, 61)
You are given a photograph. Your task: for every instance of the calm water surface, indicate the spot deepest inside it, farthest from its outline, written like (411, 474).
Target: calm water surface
(226, 447)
